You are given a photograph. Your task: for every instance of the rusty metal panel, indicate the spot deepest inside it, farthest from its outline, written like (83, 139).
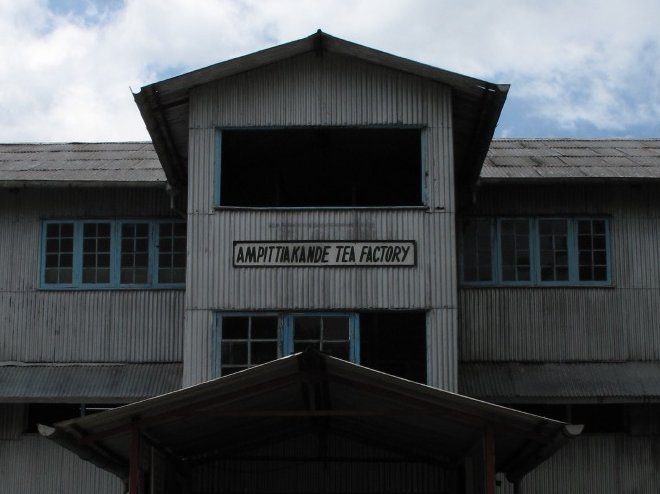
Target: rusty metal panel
(25, 461)
(598, 464)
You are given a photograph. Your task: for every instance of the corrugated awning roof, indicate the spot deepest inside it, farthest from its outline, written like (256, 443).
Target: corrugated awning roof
(80, 164)
(509, 382)
(546, 160)
(87, 383)
(271, 402)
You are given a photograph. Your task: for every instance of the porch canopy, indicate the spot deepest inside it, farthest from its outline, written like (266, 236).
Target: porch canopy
(312, 393)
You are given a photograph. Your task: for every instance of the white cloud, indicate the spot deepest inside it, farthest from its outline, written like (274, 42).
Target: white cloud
(66, 76)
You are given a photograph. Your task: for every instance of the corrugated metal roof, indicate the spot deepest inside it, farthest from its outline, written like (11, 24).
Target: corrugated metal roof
(268, 403)
(561, 382)
(572, 159)
(118, 163)
(85, 383)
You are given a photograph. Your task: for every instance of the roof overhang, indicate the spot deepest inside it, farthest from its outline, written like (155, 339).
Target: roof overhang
(269, 403)
(566, 382)
(86, 383)
(476, 105)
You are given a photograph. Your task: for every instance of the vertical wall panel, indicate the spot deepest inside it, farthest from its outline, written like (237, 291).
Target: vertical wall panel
(327, 90)
(79, 325)
(598, 464)
(573, 323)
(24, 462)
(12, 417)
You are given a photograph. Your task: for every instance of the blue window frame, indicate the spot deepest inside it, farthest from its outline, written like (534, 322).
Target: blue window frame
(542, 251)
(92, 254)
(242, 340)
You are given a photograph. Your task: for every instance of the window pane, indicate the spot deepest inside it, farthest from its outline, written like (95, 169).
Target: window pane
(171, 252)
(264, 328)
(477, 250)
(59, 253)
(592, 250)
(96, 253)
(514, 246)
(235, 328)
(553, 241)
(307, 328)
(134, 253)
(263, 351)
(329, 334)
(248, 341)
(335, 328)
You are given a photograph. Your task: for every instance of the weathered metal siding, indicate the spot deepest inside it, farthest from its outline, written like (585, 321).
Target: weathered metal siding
(79, 325)
(363, 469)
(12, 417)
(601, 464)
(25, 462)
(326, 90)
(573, 324)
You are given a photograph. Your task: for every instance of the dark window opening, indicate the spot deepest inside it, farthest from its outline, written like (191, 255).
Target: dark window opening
(321, 167)
(395, 343)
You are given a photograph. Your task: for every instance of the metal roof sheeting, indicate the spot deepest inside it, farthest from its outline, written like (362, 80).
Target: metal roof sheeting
(119, 163)
(573, 159)
(87, 383)
(561, 382)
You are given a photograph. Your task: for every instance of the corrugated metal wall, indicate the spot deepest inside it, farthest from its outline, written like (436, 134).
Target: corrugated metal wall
(322, 90)
(79, 325)
(363, 472)
(598, 464)
(12, 417)
(23, 464)
(579, 324)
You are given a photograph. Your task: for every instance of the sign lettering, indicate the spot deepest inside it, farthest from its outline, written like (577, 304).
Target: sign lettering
(319, 253)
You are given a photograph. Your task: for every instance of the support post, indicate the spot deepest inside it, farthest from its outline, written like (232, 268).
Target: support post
(489, 460)
(134, 466)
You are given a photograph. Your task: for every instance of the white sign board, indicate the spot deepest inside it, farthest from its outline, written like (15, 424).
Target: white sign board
(325, 254)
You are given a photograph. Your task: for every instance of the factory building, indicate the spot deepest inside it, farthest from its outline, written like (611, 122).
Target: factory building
(324, 275)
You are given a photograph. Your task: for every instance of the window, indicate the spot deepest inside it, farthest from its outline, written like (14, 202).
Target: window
(319, 167)
(113, 254)
(535, 251)
(245, 340)
(389, 341)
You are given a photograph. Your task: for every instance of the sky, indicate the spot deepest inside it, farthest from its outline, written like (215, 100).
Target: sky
(577, 68)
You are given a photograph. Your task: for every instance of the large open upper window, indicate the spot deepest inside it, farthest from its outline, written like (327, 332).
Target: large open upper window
(319, 167)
